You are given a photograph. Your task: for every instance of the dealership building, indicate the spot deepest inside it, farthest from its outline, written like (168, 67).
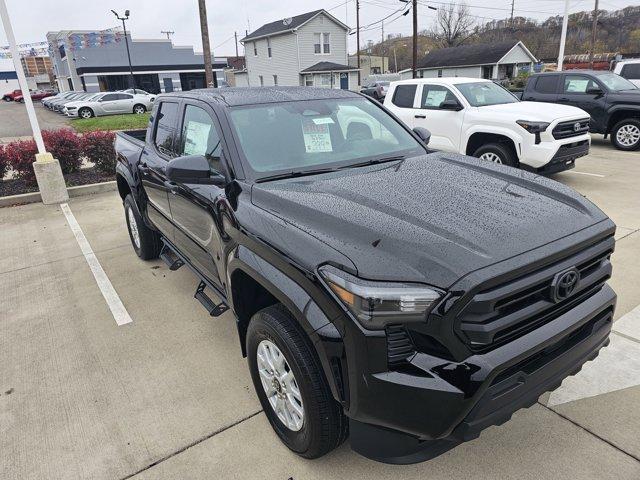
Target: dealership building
(94, 62)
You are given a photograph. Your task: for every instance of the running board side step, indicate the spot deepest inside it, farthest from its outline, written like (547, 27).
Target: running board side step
(170, 258)
(215, 310)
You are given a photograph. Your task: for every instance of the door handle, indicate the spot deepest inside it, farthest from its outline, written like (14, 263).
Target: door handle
(143, 168)
(420, 116)
(563, 99)
(172, 186)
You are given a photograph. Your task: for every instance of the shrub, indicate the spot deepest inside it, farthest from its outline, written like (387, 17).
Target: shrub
(20, 155)
(98, 148)
(4, 163)
(65, 146)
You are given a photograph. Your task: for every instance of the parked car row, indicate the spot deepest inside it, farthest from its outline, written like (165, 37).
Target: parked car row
(16, 95)
(87, 105)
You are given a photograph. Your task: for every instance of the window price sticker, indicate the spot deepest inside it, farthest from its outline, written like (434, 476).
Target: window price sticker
(317, 138)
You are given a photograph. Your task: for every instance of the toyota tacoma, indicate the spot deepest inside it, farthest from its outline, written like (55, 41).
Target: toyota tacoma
(405, 298)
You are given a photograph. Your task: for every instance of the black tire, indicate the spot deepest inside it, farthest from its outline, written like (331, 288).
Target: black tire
(149, 240)
(139, 109)
(324, 425)
(85, 111)
(629, 142)
(6, 98)
(503, 152)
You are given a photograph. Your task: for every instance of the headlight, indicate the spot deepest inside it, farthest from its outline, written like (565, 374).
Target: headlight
(376, 304)
(533, 127)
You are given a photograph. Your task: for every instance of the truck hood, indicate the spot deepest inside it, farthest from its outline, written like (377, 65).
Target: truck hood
(536, 111)
(625, 96)
(429, 219)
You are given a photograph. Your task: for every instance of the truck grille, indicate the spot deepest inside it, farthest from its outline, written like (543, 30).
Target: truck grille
(499, 314)
(572, 128)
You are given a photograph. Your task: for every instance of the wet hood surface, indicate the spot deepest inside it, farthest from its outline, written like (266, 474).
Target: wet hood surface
(429, 219)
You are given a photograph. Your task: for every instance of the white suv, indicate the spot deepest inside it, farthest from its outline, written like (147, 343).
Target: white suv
(477, 117)
(629, 69)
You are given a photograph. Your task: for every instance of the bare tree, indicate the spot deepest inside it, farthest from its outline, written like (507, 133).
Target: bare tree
(453, 25)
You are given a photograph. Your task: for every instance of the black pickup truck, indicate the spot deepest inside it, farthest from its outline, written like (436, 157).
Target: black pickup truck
(612, 101)
(406, 298)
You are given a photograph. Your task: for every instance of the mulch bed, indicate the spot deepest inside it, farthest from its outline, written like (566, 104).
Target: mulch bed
(84, 176)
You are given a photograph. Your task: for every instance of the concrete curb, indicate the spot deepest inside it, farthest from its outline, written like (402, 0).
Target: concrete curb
(77, 191)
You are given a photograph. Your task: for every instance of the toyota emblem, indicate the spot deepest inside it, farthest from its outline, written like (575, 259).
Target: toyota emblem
(564, 284)
(576, 127)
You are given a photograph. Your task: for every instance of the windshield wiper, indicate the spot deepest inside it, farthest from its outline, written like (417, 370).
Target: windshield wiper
(375, 161)
(295, 174)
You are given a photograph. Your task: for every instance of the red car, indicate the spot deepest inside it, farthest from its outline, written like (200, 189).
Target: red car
(16, 95)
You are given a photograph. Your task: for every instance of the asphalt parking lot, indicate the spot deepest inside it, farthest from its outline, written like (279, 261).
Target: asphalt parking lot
(18, 126)
(168, 395)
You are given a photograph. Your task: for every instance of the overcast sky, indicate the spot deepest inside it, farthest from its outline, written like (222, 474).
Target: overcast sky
(33, 18)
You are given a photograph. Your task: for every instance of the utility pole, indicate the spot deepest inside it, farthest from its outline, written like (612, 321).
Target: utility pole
(395, 58)
(414, 56)
(235, 37)
(126, 42)
(168, 33)
(594, 32)
(210, 78)
(563, 35)
(358, 38)
(512, 4)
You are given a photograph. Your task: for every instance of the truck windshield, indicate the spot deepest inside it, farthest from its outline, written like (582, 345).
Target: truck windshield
(615, 82)
(304, 136)
(482, 94)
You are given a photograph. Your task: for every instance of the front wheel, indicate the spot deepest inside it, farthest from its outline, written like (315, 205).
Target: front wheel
(85, 113)
(291, 386)
(6, 98)
(145, 242)
(626, 135)
(497, 153)
(139, 109)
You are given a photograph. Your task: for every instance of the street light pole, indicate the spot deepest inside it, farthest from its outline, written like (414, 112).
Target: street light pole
(563, 35)
(47, 169)
(126, 42)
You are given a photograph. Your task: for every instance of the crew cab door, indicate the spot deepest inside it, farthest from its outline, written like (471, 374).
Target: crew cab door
(194, 207)
(158, 150)
(575, 91)
(542, 88)
(445, 124)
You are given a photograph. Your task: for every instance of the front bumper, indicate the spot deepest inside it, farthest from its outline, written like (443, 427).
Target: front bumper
(417, 414)
(545, 155)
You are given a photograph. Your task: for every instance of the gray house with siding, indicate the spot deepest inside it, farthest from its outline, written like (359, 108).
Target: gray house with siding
(309, 49)
(496, 61)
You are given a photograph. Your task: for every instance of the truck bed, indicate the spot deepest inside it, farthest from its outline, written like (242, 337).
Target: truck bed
(129, 144)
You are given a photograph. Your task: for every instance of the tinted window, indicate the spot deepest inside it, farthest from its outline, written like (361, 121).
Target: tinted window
(631, 71)
(404, 95)
(165, 127)
(547, 84)
(110, 96)
(434, 95)
(125, 96)
(578, 84)
(200, 137)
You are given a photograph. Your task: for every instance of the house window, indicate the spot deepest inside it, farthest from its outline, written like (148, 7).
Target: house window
(317, 43)
(255, 49)
(269, 47)
(326, 47)
(275, 79)
(325, 80)
(439, 73)
(261, 80)
(308, 80)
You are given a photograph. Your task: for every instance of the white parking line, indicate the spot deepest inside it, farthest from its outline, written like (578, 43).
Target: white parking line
(617, 366)
(109, 293)
(586, 173)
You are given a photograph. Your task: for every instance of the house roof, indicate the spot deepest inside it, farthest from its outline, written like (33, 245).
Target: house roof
(480, 54)
(328, 67)
(288, 25)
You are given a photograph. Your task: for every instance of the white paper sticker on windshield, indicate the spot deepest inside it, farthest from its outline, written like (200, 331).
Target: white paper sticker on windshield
(196, 138)
(316, 137)
(322, 120)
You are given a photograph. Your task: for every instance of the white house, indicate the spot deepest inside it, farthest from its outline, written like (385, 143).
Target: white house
(308, 49)
(491, 61)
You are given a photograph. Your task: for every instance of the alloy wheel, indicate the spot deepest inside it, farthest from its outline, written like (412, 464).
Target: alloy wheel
(491, 157)
(628, 135)
(85, 114)
(280, 385)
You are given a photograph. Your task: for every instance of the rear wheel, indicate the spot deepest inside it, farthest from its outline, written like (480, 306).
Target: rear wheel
(85, 112)
(497, 153)
(139, 109)
(145, 241)
(625, 135)
(291, 386)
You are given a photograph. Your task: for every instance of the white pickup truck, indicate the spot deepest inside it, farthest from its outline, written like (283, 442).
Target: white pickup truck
(477, 117)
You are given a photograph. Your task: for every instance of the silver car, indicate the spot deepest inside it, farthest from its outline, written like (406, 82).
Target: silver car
(109, 103)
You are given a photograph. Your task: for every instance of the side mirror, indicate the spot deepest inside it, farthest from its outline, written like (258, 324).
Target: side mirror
(594, 91)
(423, 133)
(450, 105)
(193, 169)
